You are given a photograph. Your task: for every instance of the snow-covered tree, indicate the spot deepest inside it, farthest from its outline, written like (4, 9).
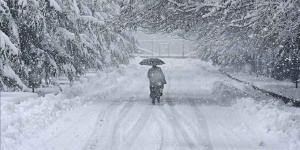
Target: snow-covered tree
(42, 39)
(229, 32)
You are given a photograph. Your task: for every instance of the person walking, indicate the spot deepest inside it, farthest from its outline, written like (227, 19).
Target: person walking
(156, 78)
(157, 82)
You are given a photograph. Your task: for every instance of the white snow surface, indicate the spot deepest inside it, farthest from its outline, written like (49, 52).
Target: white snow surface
(200, 109)
(55, 5)
(285, 88)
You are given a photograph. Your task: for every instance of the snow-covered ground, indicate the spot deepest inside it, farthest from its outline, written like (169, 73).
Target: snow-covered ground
(200, 109)
(284, 88)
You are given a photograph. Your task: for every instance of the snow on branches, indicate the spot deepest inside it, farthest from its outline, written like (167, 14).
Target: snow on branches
(229, 32)
(43, 39)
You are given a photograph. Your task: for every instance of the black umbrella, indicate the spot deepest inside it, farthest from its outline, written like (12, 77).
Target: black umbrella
(152, 61)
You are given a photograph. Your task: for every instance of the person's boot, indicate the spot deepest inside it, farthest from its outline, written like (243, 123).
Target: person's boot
(158, 99)
(153, 101)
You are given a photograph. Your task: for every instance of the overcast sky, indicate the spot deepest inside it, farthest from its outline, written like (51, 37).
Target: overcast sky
(162, 41)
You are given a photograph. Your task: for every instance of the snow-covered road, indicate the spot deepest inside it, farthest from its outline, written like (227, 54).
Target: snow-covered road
(201, 110)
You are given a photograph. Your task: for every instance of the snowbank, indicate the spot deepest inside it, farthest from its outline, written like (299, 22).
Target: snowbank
(284, 88)
(25, 114)
(274, 119)
(21, 118)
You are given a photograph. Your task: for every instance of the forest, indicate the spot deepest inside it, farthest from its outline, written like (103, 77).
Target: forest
(261, 34)
(44, 39)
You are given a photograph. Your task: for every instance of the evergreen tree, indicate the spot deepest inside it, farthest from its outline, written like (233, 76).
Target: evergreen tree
(43, 39)
(229, 32)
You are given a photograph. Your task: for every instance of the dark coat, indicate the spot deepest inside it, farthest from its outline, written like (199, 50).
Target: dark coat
(156, 76)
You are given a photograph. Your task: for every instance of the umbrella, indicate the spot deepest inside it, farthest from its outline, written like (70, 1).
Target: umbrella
(152, 61)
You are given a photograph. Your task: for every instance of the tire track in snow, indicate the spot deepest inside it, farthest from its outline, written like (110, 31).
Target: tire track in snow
(191, 126)
(184, 133)
(62, 127)
(178, 129)
(71, 127)
(168, 123)
(94, 137)
(203, 124)
(138, 127)
(184, 120)
(160, 125)
(115, 137)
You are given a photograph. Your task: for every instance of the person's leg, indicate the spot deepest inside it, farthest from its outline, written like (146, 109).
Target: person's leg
(151, 90)
(153, 101)
(152, 94)
(157, 93)
(161, 90)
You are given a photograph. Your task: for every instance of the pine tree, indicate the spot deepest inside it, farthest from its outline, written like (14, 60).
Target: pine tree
(228, 31)
(43, 39)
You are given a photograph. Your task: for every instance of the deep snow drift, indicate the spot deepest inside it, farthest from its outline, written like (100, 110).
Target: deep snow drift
(200, 109)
